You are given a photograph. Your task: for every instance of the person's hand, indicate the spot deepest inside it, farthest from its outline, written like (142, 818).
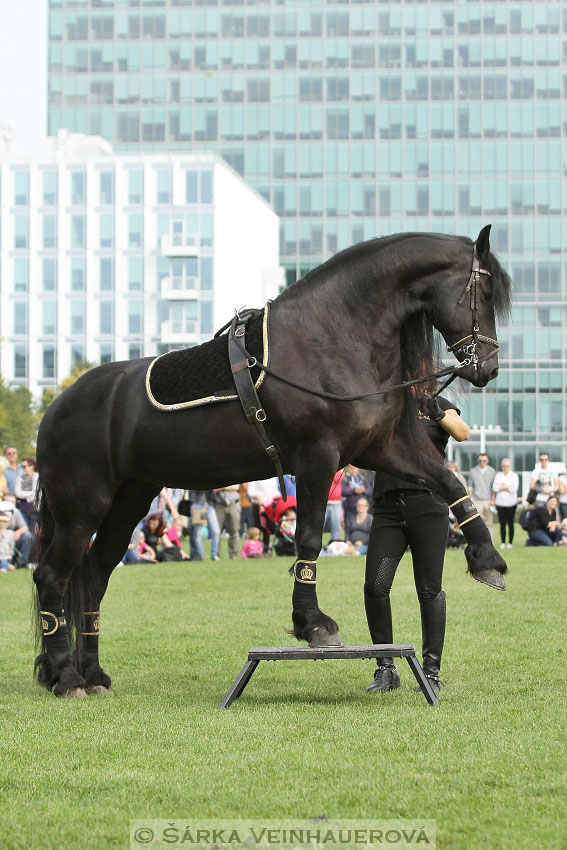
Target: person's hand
(429, 406)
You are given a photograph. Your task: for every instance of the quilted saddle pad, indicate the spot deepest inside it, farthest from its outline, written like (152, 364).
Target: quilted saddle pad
(191, 377)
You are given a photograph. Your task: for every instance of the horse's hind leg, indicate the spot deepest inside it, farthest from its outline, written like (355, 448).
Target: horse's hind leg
(54, 666)
(131, 503)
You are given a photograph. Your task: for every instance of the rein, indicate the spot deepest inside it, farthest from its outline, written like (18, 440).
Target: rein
(469, 349)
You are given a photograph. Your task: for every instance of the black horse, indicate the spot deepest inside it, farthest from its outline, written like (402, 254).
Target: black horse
(360, 323)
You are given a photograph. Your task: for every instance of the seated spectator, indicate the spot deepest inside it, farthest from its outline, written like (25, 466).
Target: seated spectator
(7, 547)
(22, 537)
(154, 530)
(339, 547)
(171, 543)
(252, 547)
(562, 481)
(4, 491)
(285, 532)
(353, 485)
(25, 489)
(543, 526)
(358, 528)
(144, 553)
(563, 526)
(131, 554)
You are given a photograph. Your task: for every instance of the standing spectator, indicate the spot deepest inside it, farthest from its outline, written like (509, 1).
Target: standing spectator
(6, 545)
(354, 485)
(22, 536)
(505, 489)
(543, 481)
(334, 511)
(290, 485)
(481, 478)
(454, 468)
(203, 511)
(543, 526)
(246, 509)
(25, 489)
(12, 471)
(227, 506)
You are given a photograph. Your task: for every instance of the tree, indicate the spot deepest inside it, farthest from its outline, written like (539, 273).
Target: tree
(18, 425)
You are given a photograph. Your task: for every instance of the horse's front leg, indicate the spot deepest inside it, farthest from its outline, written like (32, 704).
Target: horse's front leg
(314, 470)
(484, 563)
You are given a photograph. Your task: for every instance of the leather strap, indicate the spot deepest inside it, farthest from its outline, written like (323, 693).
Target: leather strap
(253, 410)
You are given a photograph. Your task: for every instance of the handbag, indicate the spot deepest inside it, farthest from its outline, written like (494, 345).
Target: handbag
(184, 505)
(198, 515)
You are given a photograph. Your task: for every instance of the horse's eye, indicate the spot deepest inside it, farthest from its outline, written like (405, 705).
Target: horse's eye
(487, 296)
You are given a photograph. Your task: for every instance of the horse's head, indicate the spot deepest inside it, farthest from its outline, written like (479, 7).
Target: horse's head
(466, 316)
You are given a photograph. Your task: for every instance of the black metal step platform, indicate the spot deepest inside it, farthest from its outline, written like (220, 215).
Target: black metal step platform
(324, 653)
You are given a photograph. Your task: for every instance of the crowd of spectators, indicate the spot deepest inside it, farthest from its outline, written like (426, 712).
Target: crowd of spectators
(18, 485)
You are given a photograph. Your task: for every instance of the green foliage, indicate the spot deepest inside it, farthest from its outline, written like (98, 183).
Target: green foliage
(304, 739)
(17, 419)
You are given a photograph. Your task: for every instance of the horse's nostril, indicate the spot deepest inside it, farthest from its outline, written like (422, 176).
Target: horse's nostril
(494, 373)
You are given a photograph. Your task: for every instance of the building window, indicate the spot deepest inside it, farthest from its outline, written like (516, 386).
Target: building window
(134, 351)
(48, 370)
(206, 187)
(77, 188)
(135, 230)
(20, 361)
(106, 273)
(164, 186)
(135, 274)
(136, 187)
(106, 316)
(106, 352)
(191, 191)
(77, 317)
(77, 355)
(49, 188)
(49, 318)
(135, 317)
(20, 318)
(49, 274)
(77, 231)
(50, 231)
(21, 230)
(106, 187)
(21, 274)
(77, 274)
(21, 188)
(106, 230)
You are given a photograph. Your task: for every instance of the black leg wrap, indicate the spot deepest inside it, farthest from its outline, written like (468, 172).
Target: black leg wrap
(89, 632)
(305, 585)
(470, 522)
(54, 634)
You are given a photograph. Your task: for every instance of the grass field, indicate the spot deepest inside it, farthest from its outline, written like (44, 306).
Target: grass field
(305, 740)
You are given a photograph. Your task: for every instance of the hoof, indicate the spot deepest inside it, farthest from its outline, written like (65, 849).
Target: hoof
(97, 690)
(73, 693)
(492, 578)
(321, 637)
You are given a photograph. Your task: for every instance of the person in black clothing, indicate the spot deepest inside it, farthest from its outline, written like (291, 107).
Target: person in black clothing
(405, 515)
(543, 525)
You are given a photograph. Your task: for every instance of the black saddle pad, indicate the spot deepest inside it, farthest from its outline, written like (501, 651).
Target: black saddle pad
(202, 375)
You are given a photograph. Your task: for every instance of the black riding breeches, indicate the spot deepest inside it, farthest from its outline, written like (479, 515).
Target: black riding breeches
(401, 519)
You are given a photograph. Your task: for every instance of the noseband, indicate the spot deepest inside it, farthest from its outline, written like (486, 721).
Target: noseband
(467, 346)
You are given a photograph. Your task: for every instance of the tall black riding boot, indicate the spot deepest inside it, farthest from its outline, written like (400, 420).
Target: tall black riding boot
(379, 618)
(433, 617)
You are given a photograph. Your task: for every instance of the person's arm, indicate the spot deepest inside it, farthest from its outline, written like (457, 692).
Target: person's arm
(19, 492)
(167, 499)
(455, 425)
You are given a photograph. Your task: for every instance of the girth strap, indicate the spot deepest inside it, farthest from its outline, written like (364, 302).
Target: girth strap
(253, 410)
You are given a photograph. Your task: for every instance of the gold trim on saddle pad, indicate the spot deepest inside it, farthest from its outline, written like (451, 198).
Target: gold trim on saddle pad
(197, 402)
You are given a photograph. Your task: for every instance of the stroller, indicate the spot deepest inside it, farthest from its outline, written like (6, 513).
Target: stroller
(271, 522)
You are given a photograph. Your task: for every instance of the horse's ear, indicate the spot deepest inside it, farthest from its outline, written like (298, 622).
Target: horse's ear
(483, 243)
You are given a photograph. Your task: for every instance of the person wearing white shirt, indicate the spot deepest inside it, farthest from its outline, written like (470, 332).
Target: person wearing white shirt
(505, 496)
(544, 481)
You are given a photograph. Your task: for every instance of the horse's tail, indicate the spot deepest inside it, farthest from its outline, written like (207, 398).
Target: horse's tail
(72, 600)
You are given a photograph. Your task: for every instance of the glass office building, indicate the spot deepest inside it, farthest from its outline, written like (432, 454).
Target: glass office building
(357, 119)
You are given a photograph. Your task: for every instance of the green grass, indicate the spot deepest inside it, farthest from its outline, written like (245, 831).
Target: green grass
(305, 739)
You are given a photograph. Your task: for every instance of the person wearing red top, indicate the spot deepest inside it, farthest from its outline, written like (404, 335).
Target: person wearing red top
(334, 512)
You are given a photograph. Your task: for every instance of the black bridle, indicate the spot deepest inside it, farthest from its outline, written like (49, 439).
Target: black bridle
(467, 345)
